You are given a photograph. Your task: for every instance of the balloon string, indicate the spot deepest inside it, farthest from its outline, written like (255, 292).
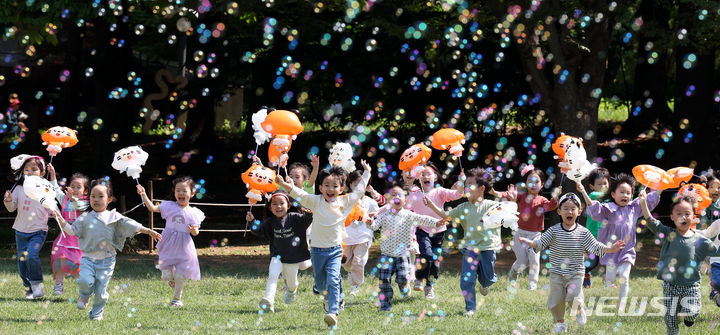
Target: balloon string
(246, 222)
(460, 162)
(51, 158)
(562, 178)
(644, 188)
(61, 229)
(141, 198)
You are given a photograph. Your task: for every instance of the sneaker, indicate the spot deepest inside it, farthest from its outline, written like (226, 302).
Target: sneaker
(688, 323)
(354, 290)
(97, 317)
(418, 285)
(176, 303)
(484, 290)
(266, 306)
(560, 328)
(326, 305)
(330, 320)
(37, 290)
(513, 275)
(468, 313)
(289, 296)
(29, 294)
(82, 304)
(429, 292)
(58, 289)
(715, 297)
(581, 317)
(586, 282)
(532, 286)
(341, 305)
(405, 291)
(315, 290)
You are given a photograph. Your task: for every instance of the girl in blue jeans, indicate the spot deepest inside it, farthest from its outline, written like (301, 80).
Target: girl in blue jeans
(100, 232)
(30, 225)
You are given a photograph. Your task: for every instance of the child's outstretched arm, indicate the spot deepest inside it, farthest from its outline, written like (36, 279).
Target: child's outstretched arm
(617, 246)
(286, 184)
(439, 211)
(459, 186)
(644, 204)
(315, 162)
(153, 234)
(582, 191)
(148, 203)
(510, 194)
(530, 243)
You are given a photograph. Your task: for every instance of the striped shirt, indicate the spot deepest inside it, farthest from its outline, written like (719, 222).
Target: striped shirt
(567, 246)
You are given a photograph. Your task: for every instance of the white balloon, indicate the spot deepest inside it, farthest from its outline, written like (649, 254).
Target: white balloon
(503, 214)
(130, 160)
(17, 161)
(341, 156)
(577, 164)
(40, 190)
(261, 136)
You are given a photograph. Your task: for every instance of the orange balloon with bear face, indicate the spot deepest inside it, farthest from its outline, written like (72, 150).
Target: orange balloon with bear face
(57, 138)
(259, 180)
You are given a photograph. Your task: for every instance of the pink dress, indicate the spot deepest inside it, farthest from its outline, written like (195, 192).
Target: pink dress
(66, 254)
(176, 250)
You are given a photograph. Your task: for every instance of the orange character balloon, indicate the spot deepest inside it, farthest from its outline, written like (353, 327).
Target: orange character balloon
(449, 139)
(356, 214)
(680, 174)
(284, 126)
(259, 180)
(652, 177)
(277, 152)
(413, 159)
(699, 193)
(57, 138)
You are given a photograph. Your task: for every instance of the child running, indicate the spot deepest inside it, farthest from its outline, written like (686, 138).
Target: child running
(712, 213)
(358, 239)
(681, 256)
(30, 227)
(567, 242)
(101, 234)
(178, 259)
(430, 239)
(598, 180)
(288, 247)
(66, 253)
(532, 208)
(619, 219)
(396, 225)
(329, 212)
(482, 239)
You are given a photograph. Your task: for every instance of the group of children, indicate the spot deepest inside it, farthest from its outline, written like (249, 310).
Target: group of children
(92, 235)
(411, 218)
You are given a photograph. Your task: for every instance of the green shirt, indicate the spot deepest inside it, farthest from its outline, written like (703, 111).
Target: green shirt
(592, 225)
(680, 256)
(469, 216)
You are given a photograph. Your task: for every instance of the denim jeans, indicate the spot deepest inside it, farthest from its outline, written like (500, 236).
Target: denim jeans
(94, 278)
(430, 251)
(715, 277)
(326, 271)
(478, 266)
(28, 256)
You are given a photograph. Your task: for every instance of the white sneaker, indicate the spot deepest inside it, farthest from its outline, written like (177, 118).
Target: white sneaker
(484, 290)
(560, 328)
(429, 292)
(29, 294)
(37, 290)
(468, 313)
(354, 290)
(532, 286)
(581, 317)
(82, 304)
(418, 285)
(513, 275)
(97, 318)
(330, 319)
(58, 289)
(289, 296)
(266, 306)
(176, 303)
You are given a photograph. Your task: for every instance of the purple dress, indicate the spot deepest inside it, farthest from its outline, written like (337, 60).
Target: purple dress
(176, 250)
(618, 223)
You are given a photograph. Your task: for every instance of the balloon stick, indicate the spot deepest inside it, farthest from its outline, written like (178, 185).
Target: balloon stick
(141, 198)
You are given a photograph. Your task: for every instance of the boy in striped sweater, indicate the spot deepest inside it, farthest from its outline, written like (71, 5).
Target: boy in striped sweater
(567, 241)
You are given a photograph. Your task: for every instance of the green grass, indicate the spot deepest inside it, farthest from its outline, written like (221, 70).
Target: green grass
(225, 301)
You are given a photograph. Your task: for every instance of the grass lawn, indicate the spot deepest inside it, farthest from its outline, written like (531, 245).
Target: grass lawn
(225, 301)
